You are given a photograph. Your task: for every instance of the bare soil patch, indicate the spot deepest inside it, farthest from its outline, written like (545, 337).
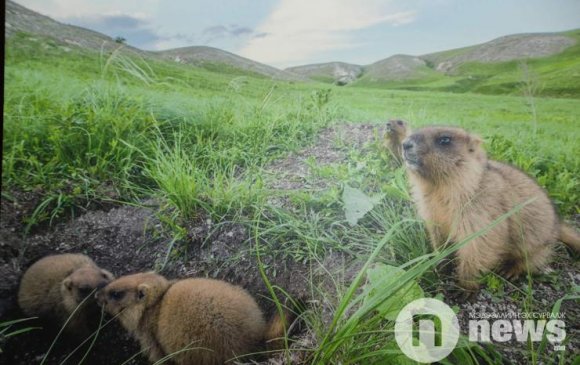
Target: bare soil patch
(127, 239)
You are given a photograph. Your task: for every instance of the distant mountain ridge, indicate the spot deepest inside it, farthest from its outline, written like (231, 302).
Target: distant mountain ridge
(493, 67)
(406, 67)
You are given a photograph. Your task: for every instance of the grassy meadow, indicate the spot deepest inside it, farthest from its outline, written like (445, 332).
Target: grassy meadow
(82, 126)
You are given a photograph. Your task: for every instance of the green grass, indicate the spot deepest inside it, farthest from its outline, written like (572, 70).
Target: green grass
(82, 127)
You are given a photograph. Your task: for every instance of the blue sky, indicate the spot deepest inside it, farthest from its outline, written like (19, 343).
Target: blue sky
(286, 33)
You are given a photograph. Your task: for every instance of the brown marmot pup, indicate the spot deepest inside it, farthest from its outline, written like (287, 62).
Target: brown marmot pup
(53, 288)
(397, 131)
(195, 321)
(458, 192)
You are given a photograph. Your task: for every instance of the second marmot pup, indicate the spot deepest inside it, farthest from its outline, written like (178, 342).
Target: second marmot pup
(458, 192)
(53, 288)
(199, 321)
(397, 131)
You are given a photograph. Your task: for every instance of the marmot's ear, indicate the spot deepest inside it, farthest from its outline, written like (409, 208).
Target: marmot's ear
(67, 283)
(143, 291)
(107, 275)
(474, 142)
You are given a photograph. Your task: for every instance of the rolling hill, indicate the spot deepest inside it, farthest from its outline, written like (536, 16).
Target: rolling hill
(215, 59)
(339, 72)
(553, 60)
(20, 20)
(503, 49)
(397, 68)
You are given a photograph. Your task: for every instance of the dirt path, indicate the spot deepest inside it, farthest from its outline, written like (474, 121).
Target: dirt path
(293, 171)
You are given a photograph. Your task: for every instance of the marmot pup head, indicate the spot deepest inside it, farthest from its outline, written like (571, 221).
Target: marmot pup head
(130, 295)
(397, 127)
(441, 153)
(83, 282)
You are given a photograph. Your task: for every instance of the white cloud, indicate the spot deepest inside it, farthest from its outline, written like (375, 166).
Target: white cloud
(299, 29)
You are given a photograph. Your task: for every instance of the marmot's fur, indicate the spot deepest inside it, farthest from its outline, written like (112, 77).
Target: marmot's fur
(458, 192)
(397, 131)
(201, 321)
(53, 287)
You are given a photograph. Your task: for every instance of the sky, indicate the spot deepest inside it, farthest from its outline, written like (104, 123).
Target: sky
(284, 33)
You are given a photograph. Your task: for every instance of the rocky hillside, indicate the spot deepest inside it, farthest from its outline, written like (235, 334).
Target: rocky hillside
(503, 49)
(399, 68)
(21, 19)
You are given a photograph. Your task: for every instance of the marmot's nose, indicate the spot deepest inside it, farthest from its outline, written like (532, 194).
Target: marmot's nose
(408, 144)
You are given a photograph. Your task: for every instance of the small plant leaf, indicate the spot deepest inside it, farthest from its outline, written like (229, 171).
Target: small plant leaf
(357, 204)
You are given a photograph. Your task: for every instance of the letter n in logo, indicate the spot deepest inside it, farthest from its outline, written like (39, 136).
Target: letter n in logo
(427, 330)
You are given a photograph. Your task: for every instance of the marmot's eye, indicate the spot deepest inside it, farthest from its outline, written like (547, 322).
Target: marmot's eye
(116, 294)
(399, 122)
(444, 141)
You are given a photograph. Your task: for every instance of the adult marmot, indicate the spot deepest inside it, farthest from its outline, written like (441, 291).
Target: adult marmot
(53, 288)
(195, 321)
(397, 131)
(458, 192)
